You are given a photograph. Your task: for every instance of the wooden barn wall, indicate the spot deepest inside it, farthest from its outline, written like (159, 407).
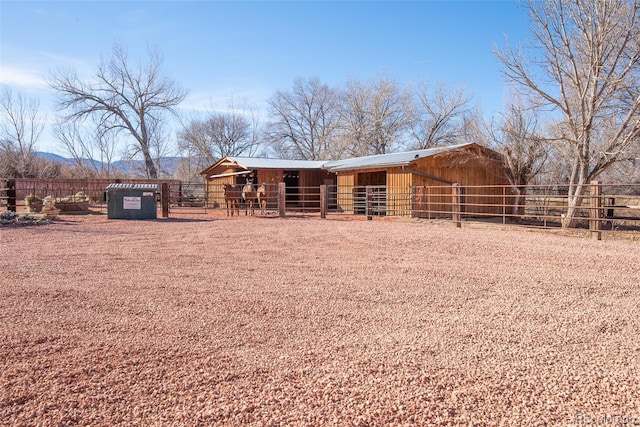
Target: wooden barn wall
(398, 192)
(406, 193)
(432, 201)
(271, 177)
(214, 186)
(316, 177)
(310, 181)
(309, 178)
(468, 170)
(344, 196)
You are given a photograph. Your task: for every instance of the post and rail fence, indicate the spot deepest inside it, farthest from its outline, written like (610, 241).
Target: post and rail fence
(602, 207)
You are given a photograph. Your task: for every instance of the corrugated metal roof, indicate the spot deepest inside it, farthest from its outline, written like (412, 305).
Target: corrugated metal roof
(229, 174)
(368, 162)
(258, 163)
(388, 160)
(117, 186)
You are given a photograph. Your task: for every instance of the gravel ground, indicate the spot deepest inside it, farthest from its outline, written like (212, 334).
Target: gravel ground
(302, 321)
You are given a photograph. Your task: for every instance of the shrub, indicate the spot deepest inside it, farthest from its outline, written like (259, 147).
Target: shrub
(8, 216)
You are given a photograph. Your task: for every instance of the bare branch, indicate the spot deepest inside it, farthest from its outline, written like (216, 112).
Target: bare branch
(122, 97)
(589, 69)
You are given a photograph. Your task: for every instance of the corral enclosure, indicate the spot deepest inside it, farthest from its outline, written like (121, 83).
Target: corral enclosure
(605, 208)
(199, 320)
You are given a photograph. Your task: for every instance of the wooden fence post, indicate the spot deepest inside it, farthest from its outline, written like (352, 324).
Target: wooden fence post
(323, 201)
(164, 198)
(504, 205)
(595, 211)
(369, 202)
(11, 195)
(419, 201)
(455, 205)
(282, 199)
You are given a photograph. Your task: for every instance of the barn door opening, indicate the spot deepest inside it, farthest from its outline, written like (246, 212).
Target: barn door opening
(376, 201)
(291, 180)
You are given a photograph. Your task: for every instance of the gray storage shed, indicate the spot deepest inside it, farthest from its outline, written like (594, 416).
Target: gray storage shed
(132, 201)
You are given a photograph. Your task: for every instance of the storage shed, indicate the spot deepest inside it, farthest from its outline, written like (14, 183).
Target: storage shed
(132, 201)
(415, 182)
(296, 174)
(420, 181)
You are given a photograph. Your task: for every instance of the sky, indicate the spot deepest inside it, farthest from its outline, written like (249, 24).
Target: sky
(248, 50)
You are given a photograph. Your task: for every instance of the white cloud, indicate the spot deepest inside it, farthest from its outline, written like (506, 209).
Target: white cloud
(30, 69)
(219, 99)
(22, 77)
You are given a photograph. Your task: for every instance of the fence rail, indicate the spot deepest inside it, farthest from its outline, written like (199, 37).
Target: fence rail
(602, 207)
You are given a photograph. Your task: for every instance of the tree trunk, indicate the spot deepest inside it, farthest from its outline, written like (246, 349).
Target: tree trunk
(579, 180)
(519, 202)
(150, 166)
(574, 201)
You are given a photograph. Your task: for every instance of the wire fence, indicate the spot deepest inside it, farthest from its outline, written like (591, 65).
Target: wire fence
(600, 207)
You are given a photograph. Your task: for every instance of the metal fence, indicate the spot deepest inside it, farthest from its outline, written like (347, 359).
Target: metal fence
(89, 191)
(602, 207)
(614, 206)
(276, 199)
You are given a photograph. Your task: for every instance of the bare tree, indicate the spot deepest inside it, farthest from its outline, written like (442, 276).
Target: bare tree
(304, 122)
(233, 132)
(92, 151)
(20, 129)
(626, 169)
(123, 98)
(374, 116)
(439, 116)
(588, 71)
(516, 136)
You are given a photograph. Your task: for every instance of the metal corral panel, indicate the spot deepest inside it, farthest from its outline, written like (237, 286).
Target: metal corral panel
(132, 201)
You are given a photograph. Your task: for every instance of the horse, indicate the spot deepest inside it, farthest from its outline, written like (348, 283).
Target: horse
(262, 198)
(249, 195)
(232, 199)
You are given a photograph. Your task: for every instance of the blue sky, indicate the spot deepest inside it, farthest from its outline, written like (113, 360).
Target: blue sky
(219, 50)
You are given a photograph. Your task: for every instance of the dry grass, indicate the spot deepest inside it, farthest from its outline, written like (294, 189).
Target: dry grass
(269, 321)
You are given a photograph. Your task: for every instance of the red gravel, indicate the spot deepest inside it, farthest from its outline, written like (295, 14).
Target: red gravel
(269, 321)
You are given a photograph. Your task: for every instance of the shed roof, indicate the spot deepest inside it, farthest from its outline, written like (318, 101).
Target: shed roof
(367, 162)
(221, 175)
(262, 163)
(389, 160)
(129, 186)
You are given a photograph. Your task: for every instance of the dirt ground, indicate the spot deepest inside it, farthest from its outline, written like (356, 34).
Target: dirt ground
(204, 320)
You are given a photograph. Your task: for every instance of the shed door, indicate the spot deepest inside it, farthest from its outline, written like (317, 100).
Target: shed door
(291, 180)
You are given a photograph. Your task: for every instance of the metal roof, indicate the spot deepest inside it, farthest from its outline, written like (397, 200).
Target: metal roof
(388, 160)
(229, 174)
(120, 186)
(368, 162)
(261, 163)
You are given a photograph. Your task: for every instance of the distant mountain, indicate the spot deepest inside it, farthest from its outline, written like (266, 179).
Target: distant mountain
(54, 157)
(168, 165)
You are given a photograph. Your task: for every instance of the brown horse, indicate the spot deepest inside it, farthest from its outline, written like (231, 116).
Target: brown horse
(249, 195)
(232, 199)
(262, 198)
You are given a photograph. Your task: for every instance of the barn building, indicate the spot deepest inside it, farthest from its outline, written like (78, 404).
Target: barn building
(296, 174)
(406, 183)
(417, 182)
